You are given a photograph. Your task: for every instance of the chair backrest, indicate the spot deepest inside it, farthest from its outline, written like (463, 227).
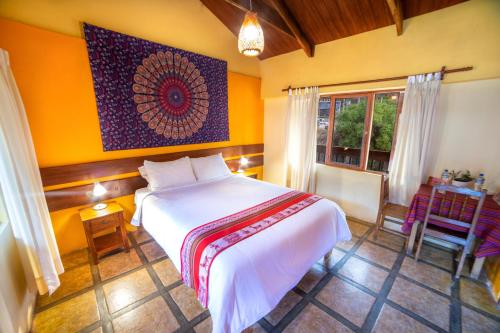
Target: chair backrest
(432, 181)
(457, 205)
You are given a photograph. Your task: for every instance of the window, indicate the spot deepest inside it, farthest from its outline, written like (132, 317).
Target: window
(357, 130)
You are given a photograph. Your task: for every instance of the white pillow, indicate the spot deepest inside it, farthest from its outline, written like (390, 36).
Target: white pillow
(164, 175)
(144, 174)
(210, 167)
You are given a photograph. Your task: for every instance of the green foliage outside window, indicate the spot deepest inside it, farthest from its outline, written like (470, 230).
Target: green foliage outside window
(384, 118)
(350, 124)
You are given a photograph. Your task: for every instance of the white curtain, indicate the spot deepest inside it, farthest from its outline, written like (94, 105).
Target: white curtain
(411, 152)
(300, 149)
(22, 187)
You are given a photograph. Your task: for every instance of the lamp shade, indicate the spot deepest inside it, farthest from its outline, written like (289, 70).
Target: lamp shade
(99, 190)
(243, 161)
(251, 37)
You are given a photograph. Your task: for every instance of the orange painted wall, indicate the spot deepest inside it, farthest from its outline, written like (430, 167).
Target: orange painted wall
(53, 75)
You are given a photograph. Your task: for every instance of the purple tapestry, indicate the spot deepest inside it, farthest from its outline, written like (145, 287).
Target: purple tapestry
(151, 95)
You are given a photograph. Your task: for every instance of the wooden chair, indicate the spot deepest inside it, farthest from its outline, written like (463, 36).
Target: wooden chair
(388, 209)
(449, 235)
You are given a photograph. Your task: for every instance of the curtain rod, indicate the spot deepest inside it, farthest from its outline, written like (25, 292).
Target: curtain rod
(443, 72)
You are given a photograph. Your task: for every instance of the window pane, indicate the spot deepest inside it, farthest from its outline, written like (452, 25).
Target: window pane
(383, 122)
(322, 128)
(348, 129)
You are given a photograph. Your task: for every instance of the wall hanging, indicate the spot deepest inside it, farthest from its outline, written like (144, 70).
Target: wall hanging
(152, 95)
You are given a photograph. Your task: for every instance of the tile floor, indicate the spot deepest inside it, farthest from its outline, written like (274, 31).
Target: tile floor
(369, 286)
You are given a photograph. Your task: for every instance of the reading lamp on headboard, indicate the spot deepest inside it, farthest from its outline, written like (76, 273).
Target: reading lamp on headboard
(243, 164)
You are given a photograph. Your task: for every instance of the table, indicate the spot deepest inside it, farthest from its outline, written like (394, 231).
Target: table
(95, 222)
(487, 227)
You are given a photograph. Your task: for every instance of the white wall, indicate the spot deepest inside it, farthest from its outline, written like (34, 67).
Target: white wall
(467, 130)
(357, 192)
(466, 136)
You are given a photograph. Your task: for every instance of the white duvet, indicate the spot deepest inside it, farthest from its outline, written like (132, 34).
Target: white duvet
(248, 279)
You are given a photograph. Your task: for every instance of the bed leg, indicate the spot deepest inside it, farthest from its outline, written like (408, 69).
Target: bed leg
(327, 259)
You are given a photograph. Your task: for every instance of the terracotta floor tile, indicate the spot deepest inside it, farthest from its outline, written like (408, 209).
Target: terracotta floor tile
(336, 256)
(284, 306)
(185, 298)
(364, 273)
(357, 229)
(152, 251)
(347, 245)
(311, 278)
(204, 327)
(167, 272)
(75, 258)
(477, 294)
(141, 235)
(153, 316)
(438, 257)
(388, 239)
(70, 316)
(72, 281)
(128, 289)
(313, 320)
(118, 263)
(426, 274)
(392, 320)
(347, 300)
(377, 254)
(255, 328)
(425, 303)
(474, 322)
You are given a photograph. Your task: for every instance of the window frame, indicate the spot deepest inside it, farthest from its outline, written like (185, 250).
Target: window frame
(365, 145)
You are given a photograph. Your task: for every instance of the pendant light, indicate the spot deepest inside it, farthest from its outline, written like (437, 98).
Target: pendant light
(251, 37)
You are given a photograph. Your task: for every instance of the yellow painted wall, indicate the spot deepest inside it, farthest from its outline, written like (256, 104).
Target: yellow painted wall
(457, 36)
(53, 75)
(186, 24)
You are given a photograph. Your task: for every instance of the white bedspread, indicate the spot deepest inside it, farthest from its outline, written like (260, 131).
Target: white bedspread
(248, 279)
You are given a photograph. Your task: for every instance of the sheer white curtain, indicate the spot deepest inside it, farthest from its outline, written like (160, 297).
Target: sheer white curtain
(22, 187)
(300, 149)
(411, 152)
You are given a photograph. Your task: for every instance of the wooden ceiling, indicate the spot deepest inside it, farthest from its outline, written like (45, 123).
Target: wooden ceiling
(290, 25)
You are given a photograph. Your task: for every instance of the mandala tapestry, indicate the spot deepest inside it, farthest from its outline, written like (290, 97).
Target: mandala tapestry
(151, 95)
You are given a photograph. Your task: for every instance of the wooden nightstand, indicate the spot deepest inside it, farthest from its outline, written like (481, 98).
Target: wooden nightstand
(96, 221)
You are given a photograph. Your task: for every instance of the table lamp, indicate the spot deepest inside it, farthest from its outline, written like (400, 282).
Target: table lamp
(243, 164)
(97, 193)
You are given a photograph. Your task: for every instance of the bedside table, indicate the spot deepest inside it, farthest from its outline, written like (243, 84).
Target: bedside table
(95, 221)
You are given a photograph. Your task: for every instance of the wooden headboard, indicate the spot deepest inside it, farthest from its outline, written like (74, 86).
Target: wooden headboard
(67, 186)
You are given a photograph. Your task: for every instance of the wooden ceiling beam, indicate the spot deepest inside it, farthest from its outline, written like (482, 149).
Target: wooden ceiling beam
(397, 14)
(265, 13)
(291, 22)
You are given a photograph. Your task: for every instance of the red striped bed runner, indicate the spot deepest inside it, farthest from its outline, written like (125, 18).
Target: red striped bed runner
(204, 243)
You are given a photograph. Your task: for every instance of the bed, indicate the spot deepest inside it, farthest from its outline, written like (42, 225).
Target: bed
(248, 279)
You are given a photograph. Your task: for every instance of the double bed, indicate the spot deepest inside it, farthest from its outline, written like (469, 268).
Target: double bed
(249, 278)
